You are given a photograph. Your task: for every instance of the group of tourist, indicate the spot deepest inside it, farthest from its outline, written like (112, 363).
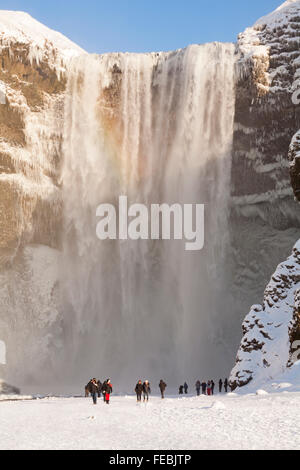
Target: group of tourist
(207, 388)
(96, 389)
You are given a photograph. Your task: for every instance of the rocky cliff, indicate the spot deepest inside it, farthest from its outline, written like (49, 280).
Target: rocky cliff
(32, 86)
(265, 215)
(267, 117)
(271, 329)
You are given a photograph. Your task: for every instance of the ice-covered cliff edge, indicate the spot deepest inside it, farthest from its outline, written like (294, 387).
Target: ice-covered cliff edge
(41, 43)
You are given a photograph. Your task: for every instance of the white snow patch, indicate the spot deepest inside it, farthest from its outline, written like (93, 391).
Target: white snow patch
(218, 405)
(75, 423)
(281, 386)
(261, 392)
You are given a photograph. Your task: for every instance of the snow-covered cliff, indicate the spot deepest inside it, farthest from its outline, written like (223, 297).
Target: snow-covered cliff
(265, 163)
(270, 329)
(32, 92)
(266, 117)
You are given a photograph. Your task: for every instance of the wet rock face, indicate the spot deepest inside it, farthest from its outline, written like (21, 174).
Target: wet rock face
(266, 117)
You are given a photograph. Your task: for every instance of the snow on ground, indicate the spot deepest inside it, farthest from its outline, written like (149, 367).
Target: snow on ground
(15, 397)
(262, 421)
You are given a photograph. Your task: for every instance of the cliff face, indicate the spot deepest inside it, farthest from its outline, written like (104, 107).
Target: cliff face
(267, 117)
(32, 85)
(265, 215)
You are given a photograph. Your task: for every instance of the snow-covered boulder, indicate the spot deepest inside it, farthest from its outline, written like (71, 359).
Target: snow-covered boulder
(269, 330)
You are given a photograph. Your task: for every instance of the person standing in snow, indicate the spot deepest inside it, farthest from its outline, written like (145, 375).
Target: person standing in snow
(103, 390)
(220, 385)
(212, 387)
(226, 385)
(203, 388)
(162, 386)
(99, 388)
(139, 390)
(208, 388)
(107, 390)
(146, 390)
(88, 388)
(94, 391)
(198, 387)
(181, 390)
(186, 388)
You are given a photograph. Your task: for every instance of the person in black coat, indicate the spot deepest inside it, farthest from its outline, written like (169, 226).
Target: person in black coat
(186, 387)
(88, 388)
(94, 391)
(220, 385)
(181, 390)
(198, 387)
(99, 388)
(226, 385)
(103, 390)
(139, 390)
(212, 387)
(107, 390)
(146, 390)
(204, 385)
(162, 386)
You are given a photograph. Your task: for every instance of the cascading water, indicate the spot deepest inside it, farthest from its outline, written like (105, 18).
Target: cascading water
(157, 128)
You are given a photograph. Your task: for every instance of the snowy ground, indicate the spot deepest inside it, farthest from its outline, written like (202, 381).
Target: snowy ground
(222, 422)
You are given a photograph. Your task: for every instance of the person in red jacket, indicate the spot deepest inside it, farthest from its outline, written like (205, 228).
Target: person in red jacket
(107, 390)
(208, 388)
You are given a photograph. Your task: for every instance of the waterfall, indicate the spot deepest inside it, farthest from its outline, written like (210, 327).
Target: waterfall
(157, 128)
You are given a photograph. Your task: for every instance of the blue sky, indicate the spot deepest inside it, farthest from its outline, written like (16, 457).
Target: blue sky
(144, 25)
